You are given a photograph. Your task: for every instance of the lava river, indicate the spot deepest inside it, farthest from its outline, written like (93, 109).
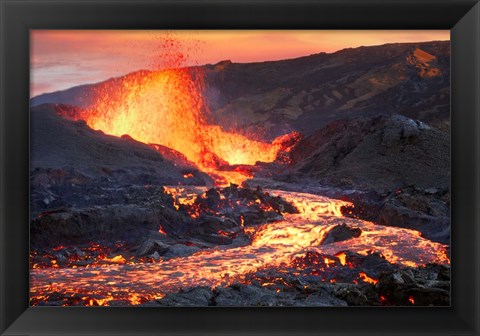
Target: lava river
(272, 244)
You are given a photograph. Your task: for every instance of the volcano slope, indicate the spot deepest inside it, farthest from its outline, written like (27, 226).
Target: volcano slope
(400, 166)
(87, 186)
(75, 169)
(304, 94)
(59, 143)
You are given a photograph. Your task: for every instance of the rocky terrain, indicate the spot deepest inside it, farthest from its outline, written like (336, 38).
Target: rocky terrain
(306, 93)
(62, 145)
(144, 220)
(429, 285)
(371, 132)
(250, 249)
(394, 169)
(381, 153)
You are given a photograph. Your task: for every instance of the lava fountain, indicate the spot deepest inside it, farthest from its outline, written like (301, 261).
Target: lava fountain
(167, 107)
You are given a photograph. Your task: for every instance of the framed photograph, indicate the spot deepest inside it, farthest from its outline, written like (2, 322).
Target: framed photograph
(240, 168)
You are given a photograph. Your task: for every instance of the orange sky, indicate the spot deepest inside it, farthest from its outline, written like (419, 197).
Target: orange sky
(64, 58)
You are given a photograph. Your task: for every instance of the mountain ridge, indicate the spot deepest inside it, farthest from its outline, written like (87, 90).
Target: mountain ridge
(268, 98)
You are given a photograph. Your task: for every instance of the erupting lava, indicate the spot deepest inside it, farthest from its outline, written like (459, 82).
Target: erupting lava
(236, 235)
(166, 107)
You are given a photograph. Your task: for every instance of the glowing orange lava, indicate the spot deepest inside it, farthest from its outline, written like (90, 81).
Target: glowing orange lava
(166, 107)
(368, 279)
(273, 244)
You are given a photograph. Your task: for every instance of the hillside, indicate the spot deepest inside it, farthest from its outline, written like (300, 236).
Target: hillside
(378, 153)
(304, 94)
(72, 148)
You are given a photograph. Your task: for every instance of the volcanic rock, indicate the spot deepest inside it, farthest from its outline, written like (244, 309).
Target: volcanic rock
(215, 238)
(373, 263)
(194, 297)
(422, 286)
(220, 214)
(253, 218)
(180, 250)
(128, 222)
(306, 93)
(212, 224)
(180, 160)
(152, 246)
(380, 153)
(341, 232)
(322, 299)
(425, 210)
(61, 144)
(355, 295)
(242, 295)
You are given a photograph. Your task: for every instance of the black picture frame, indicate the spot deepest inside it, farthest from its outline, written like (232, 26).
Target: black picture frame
(17, 17)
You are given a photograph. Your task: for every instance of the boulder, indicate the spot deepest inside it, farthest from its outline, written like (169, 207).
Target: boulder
(180, 250)
(424, 286)
(152, 246)
(194, 297)
(339, 233)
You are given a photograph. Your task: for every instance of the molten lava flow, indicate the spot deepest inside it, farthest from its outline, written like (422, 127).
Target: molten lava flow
(366, 278)
(273, 244)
